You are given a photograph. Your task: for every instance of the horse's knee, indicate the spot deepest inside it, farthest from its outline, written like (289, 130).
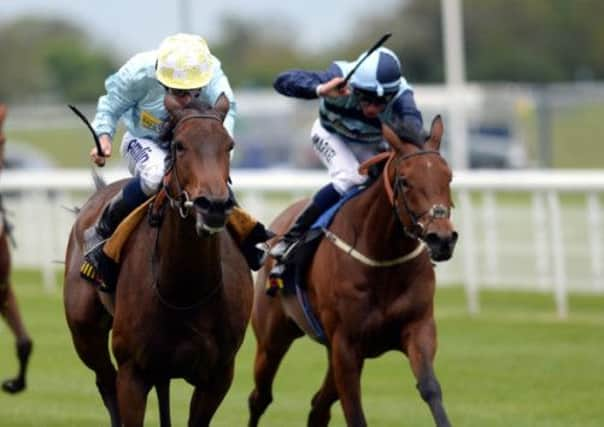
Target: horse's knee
(429, 389)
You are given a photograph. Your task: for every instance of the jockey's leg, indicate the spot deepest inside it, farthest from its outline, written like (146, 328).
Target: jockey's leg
(322, 200)
(118, 208)
(146, 162)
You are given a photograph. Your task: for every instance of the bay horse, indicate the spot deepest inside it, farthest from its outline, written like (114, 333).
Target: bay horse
(375, 295)
(9, 308)
(184, 291)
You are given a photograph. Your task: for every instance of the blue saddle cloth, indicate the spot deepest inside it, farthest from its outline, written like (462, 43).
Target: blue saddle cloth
(293, 276)
(325, 219)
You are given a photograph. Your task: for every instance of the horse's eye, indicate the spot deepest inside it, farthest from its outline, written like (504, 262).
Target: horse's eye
(230, 147)
(403, 182)
(178, 146)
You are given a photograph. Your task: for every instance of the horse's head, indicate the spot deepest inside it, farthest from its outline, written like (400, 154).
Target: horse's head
(199, 162)
(421, 192)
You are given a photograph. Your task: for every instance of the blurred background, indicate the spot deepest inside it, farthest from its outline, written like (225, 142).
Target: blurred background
(520, 85)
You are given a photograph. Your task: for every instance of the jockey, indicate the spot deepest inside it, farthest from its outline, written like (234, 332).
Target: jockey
(183, 67)
(348, 130)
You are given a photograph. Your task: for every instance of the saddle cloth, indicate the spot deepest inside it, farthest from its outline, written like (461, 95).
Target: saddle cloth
(113, 246)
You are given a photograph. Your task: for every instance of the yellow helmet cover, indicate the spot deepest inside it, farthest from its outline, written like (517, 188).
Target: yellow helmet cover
(184, 62)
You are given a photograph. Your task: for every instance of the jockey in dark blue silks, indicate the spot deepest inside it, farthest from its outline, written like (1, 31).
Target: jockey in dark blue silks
(183, 67)
(348, 130)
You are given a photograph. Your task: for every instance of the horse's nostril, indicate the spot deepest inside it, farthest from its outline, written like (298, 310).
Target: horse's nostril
(432, 239)
(203, 203)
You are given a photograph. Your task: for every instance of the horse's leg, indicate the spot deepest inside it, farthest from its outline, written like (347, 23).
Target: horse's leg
(132, 392)
(272, 345)
(347, 365)
(90, 325)
(320, 413)
(10, 312)
(207, 396)
(163, 398)
(420, 345)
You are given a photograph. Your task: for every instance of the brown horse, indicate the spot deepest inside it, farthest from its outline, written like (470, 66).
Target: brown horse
(373, 297)
(184, 291)
(8, 302)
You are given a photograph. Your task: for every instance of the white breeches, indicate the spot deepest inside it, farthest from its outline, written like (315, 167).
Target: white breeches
(342, 157)
(145, 159)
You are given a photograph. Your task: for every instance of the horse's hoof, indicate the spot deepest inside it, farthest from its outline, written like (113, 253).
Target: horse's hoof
(13, 386)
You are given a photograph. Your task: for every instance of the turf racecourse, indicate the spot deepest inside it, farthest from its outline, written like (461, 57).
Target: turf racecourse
(514, 364)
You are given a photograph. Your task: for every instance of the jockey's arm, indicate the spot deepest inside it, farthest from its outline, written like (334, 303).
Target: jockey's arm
(124, 89)
(404, 110)
(304, 84)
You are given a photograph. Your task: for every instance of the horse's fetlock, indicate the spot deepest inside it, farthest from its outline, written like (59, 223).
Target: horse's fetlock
(429, 389)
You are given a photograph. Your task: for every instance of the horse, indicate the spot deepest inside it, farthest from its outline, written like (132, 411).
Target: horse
(9, 308)
(373, 296)
(184, 291)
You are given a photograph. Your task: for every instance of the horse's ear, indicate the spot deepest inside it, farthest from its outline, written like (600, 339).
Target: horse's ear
(222, 106)
(436, 133)
(395, 141)
(173, 106)
(391, 137)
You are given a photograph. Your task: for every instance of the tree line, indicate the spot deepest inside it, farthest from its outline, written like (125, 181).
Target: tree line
(537, 41)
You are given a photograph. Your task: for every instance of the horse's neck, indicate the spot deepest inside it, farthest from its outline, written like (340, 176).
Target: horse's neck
(188, 265)
(378, 232)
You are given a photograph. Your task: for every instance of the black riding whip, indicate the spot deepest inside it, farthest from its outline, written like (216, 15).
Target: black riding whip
(78, 113)
(372, 49)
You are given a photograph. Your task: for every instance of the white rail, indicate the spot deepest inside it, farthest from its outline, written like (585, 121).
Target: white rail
(547, 236)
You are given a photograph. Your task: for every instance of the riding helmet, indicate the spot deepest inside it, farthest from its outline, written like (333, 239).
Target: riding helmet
(184, 62)
(379, 73)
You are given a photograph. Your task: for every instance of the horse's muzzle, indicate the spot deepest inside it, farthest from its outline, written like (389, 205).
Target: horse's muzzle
(441, 244)
(212, 214)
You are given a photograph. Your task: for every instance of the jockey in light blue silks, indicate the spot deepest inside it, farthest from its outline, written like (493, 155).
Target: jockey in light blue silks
(184, 68)
(348, 130)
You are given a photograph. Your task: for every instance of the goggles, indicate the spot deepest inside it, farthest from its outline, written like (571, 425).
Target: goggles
(367, 97)
(179, 93)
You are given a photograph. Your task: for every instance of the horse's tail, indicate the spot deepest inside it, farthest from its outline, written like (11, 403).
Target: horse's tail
(99, 182)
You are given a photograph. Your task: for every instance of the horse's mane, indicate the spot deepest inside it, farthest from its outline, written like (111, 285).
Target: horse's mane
(407, 132)
(167, 127)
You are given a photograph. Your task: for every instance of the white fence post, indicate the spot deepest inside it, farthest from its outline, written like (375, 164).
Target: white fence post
(542, 251)
(42, 226)
(559, 262)
(469, 253)
(489, 216)
(594, 234)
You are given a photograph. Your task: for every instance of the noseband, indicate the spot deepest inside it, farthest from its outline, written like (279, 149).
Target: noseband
(182, 202)
(416, 229)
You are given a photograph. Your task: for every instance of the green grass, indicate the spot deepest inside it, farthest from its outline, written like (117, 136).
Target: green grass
(515, 364)
(68, 148)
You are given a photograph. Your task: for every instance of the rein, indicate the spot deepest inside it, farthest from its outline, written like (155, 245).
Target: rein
(182, 203)
(436, 211)
(155, 284)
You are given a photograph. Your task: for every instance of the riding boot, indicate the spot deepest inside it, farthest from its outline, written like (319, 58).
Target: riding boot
(97, 267)
(283, 248)
(325, 198)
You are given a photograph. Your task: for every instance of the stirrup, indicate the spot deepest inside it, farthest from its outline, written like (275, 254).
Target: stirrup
(274, 282)
(283, 249)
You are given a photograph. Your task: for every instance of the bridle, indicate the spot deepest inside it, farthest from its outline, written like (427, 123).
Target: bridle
(182, 202)
(416, 229)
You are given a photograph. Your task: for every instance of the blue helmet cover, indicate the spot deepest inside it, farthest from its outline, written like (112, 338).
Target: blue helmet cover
(379, 73)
